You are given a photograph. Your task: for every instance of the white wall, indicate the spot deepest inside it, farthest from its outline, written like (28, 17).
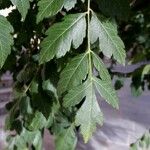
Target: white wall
(6, 11)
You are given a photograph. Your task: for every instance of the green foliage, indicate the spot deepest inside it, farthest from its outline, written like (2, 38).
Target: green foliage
(48, 8)
(89, 114)
(69, 4)
(74, 73)
(57, 69)
(105, 30)
(66, 139)
(6, 39)
(143, 143)
(64, 34)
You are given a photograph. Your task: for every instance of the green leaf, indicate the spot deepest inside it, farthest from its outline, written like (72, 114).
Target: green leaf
(143, 143)
(22, 6)
(89, 114)
(50, 89)
(105, 30)
(146, 70)
(66, 139)
(48, 8)
(6, 39)
(74, 73)
(136, 90)
(99, 65)
(38, 142)
(107, 92)
(36, 121)
(27, 73)
(25, 106)
(75, 95)
(21, 141)
(69, 4)
(71, 31)
(34, 86)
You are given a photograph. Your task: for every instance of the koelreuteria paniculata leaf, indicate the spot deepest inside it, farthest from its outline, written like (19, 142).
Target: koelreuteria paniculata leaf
(6, 39)
(58, 71)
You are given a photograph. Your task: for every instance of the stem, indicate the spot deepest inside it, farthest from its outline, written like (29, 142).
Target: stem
(88, 24)
(88, 39)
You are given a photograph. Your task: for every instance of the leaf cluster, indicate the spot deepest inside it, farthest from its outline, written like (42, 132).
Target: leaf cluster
(53, 49)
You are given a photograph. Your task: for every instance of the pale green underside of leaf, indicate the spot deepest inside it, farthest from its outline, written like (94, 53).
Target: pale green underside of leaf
(61, 35)
(103, 87)
(22, 6)
(77, 93)
(48, 8)
(105, 30)
(89, 114)
(74, 73)
(107, 91)
(6, 39)
(66, 140)
(69, 4)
